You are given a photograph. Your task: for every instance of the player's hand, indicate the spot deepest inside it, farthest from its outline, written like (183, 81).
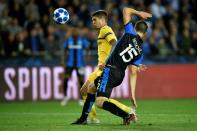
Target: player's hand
(145, 15)
(102, 66)
(141, 67)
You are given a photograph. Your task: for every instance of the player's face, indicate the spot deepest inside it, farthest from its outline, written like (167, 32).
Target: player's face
(75, 31)
(96, 22)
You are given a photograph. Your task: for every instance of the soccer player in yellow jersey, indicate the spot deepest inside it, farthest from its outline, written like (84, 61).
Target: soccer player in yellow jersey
(106, 40)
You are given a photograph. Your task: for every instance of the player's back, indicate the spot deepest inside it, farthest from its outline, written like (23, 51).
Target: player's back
(106, 34)
(127, 51)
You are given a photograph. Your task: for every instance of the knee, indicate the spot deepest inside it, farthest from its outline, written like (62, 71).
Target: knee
(100, 101)
(83, 91)
(91, 89)
(84, 88)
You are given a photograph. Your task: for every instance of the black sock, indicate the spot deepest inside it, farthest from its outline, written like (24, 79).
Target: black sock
(65, 86)
(88, 105)
(114, 109)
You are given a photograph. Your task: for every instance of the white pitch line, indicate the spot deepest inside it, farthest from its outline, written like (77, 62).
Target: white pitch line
(74, 114)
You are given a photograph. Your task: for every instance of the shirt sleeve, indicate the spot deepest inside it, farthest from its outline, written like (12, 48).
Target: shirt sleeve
(129, 28)
(109, 35)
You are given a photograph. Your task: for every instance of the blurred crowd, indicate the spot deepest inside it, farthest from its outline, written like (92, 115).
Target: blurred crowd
(27, 28)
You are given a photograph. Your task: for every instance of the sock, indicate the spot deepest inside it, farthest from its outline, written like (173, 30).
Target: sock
(65, 86)
(114, 109)
(88, 105)
(121, 106)
(92, 114)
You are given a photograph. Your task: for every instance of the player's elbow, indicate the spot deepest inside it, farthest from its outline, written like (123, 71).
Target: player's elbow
(125, 10)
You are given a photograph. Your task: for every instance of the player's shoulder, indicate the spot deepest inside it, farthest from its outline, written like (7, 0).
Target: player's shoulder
(106, 28)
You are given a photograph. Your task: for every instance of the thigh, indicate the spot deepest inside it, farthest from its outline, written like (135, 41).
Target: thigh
(103, 84)
(109, 79)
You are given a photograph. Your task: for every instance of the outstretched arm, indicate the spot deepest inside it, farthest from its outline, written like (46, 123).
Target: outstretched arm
(129, 12)
(133, 79)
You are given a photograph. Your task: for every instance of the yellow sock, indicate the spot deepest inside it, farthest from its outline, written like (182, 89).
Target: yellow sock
(92, 114)
(120, 105)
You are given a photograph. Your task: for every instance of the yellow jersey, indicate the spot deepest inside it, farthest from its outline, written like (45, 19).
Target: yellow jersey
(106, 34)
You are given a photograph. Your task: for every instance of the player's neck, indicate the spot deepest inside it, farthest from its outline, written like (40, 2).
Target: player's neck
(141, 35)
(103, 25)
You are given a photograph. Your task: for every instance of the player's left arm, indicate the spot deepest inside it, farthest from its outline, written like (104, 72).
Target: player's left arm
(136, 67)
(133, 80)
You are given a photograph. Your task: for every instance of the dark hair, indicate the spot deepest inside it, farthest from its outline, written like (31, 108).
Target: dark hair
(141, 26)
(100, 13)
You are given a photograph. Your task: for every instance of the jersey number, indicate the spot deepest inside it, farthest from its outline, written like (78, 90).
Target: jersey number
(131, 51)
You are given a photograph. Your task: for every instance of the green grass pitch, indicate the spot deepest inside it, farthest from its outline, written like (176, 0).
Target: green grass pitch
(154, 115)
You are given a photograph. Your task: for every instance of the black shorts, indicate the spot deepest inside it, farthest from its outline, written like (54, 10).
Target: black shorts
(110, 78)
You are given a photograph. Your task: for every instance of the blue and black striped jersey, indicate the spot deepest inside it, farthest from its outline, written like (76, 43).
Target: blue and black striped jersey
(128, 50)
(76, 47)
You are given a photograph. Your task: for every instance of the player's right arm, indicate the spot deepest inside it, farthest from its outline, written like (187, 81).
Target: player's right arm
(129, 12)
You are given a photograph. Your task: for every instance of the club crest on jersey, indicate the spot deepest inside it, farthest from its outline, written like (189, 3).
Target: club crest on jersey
(130, 50)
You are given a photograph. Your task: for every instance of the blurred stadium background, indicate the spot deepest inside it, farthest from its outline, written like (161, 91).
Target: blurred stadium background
(32, 60)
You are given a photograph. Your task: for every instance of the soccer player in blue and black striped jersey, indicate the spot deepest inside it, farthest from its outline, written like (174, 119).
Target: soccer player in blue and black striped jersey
(74, 47)
(127, 52)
